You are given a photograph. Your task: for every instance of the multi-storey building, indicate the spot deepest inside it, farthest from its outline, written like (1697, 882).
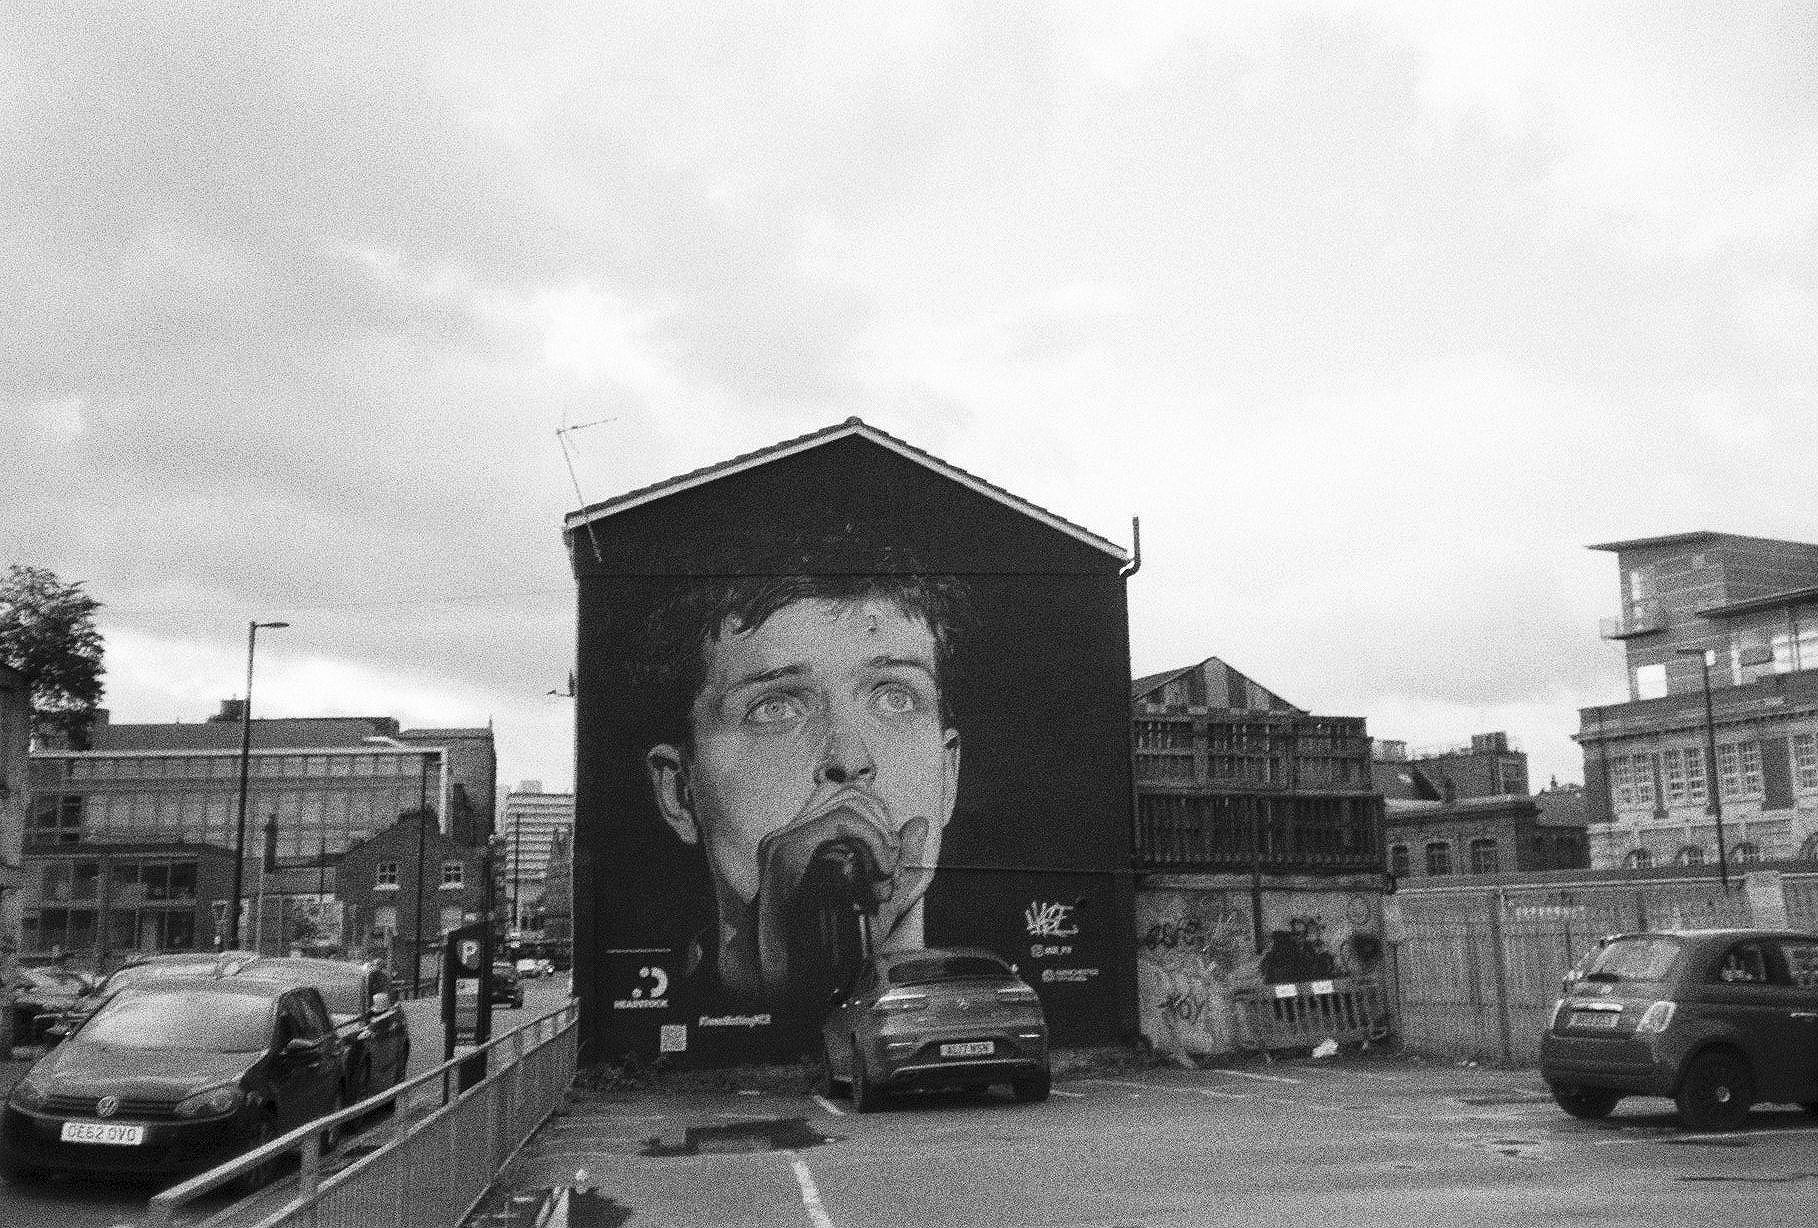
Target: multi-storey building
(15, 743)
(1230, 776)
(530, 821)
(1468, 811)
(1741, 612)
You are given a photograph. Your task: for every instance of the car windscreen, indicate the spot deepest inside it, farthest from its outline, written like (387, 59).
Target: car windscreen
(208, 1020)
(1647, 958)
(138, 974)
(924, 969)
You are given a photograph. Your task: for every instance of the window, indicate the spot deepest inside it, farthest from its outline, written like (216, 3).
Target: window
(1622, 780)
(451, 917)
(1746, 853)
(1483, 857)
(1801, 962)
(386, 877)
(1398, 860)
(385, 920)
(1638, 859)
(1673, 770)
(1729, 770)
(1439, 859)
(1745, 963)
(1694, 775)
(1805, 756)
(1644, 780)
(1690, 855)
(1750, 755)
(1650, 681)
(56, 819)
(454, 876)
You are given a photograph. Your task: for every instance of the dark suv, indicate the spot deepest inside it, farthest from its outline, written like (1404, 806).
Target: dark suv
(1715, 1019)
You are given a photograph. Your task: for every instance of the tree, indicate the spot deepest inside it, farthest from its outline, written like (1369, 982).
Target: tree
(48, 633)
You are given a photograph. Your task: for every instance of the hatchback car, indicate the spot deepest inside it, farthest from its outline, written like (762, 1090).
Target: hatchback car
(55, 1025)
(506, 988)
(375, 1039)
(936, 1017)
(173, 1076)
(1715, 1019)
(40, 995)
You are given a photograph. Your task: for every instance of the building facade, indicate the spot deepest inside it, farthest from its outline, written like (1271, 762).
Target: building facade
(15, 746)
(1467, 810)
(530, 823)
(1742, 612)
(101, 904)
(404, 887)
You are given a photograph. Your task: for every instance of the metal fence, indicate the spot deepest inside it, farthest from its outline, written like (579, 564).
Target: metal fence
(1302, 1015)
(435, 1167)
(1478, 969)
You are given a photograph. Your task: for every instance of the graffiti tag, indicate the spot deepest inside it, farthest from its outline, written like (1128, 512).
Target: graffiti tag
(1049, 920)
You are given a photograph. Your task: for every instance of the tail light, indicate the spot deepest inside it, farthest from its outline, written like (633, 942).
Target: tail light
(1657, 1018)
(1017, 993)
(897, 1000)
(1558, 1011)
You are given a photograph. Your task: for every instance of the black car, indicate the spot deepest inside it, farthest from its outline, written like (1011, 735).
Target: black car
(1715, 1019)
(53, 1026)
(506, 988)
(375, 1038)
(41, 994)
(173, 1076)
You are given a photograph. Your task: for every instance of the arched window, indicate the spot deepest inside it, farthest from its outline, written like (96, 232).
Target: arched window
(1398, 860)
(1439, 859)
(1690, 855)
(1746, 853)
(1638, 859)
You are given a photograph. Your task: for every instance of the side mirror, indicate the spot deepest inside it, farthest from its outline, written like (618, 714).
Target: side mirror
(381, 1001)
(297, 1046)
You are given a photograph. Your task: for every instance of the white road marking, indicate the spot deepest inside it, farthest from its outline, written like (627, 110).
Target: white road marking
(1250, 1074)
(827, 1104)
(811, 1193)
(1070, 1095)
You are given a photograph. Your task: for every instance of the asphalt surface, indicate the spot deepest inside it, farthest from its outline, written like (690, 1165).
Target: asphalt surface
(72, 1203)
(1354, 1140)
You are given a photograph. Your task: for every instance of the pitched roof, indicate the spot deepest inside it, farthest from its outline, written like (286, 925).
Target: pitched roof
(814, 439)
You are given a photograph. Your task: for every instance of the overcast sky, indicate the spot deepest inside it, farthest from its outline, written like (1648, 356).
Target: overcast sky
(1375, 313)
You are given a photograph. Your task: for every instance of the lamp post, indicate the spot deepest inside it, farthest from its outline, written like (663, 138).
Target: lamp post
(416, 950)
(1713, 802)
(239, 884)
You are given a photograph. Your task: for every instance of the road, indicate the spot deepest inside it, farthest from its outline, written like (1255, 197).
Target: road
(1331, 1144)
(70, 1203)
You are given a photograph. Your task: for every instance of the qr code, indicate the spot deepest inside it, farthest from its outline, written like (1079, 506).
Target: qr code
(673, 1038)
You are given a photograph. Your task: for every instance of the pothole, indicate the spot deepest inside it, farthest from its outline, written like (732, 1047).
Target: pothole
(765, 1134)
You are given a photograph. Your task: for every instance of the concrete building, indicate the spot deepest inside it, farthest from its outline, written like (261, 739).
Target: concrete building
(1467, 810)
(99, 904)
(530, 821)
(1745, 610)
(15, 744)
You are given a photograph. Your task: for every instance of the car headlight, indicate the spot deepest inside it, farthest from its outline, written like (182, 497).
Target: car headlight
(28, 1093)
(1657, 1018)
(1017, 993)
(216, 1102)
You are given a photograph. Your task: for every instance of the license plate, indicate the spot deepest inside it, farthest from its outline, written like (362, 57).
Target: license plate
(98, 1132)
(1595, 1019)
(970, 1048)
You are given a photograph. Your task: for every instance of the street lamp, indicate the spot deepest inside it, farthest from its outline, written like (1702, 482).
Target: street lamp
(416, 950)
(233, 906)
(1713, 802)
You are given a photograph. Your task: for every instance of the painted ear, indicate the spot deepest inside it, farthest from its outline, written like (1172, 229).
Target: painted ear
(950, 766)
(669, 785)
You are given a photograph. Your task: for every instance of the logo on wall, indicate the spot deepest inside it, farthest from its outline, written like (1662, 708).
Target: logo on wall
(652, 990)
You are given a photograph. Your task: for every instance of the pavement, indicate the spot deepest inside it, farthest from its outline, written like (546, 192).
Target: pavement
(1349, 1140)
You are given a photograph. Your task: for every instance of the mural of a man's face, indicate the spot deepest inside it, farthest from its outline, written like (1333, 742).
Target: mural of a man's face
(816, 734)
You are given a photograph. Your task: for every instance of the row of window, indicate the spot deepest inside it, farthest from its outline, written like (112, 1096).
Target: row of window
(1677, 777)
(304, 818)
(129, 879)
(385, 875)
(74, 929)
(1692, 855)
(226, 766)
(1485, 855)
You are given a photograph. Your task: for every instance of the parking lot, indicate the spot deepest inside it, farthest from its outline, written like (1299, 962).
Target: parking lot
(1354, 1140)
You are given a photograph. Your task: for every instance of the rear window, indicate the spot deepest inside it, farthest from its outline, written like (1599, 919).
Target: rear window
(945, 968)
(344, 993)
(1632, 959)
(193, 1019)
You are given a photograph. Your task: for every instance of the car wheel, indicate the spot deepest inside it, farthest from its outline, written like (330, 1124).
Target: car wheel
(1715, 1093)
(1586, 1103)
(867, 1097)
(1032, 1090)
(260, 1175)
(829, 1085)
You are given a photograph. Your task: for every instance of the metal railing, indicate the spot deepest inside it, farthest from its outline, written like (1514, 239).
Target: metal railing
(435, 1168)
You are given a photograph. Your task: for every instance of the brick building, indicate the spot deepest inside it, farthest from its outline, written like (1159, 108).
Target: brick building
(1745, 609)
(402, 888)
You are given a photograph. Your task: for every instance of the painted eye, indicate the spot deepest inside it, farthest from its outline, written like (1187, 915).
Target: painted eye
(896, 699)
(773, 708)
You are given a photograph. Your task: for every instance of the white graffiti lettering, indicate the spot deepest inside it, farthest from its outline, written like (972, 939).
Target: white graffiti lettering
(1049, 920)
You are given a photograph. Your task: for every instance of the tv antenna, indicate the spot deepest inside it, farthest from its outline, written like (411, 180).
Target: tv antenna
(562, 434)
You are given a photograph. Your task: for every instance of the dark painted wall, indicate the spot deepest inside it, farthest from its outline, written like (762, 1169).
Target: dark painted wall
(1034, 862)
